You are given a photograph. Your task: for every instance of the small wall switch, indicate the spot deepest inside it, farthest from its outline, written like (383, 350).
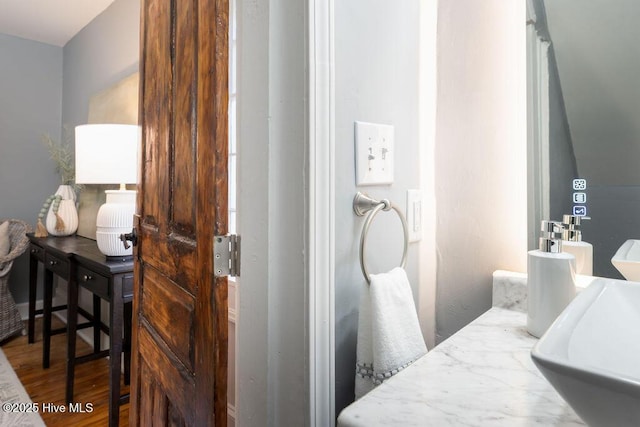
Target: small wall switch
(374, 146)
(414, 215)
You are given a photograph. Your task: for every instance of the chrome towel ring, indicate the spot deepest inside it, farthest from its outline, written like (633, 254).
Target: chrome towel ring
(363, 204)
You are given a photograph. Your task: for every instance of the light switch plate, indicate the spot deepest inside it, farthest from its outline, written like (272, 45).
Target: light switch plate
(374, 153)
(414, 215)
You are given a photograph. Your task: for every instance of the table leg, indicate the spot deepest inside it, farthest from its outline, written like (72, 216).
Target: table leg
(72, 326)
(46, 318)
(128, 317)
(33, 282)
(115, 350)
(97, 319)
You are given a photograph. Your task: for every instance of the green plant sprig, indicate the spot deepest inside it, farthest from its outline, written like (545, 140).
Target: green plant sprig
(60, 153)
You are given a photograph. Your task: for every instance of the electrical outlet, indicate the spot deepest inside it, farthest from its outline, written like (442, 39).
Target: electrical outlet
(374, 153)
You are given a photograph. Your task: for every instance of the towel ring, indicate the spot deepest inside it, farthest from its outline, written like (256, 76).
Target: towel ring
(363, 204)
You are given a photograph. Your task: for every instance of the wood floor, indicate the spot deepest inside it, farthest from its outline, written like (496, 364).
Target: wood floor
(48, 385)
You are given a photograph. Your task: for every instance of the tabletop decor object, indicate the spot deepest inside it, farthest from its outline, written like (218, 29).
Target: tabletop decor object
(108, 154)
(60, 216)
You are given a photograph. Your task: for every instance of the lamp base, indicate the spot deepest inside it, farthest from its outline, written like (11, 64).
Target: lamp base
(115, 217)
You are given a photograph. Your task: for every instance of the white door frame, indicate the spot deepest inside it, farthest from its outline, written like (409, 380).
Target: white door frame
(321, 222)
(255, 405)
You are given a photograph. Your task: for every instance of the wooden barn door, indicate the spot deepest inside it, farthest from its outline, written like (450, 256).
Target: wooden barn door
(179, 360)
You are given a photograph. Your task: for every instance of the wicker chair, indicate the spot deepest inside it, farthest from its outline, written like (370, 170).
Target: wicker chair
(10, 321)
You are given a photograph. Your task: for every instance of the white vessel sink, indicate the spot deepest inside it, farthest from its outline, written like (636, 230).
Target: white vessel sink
(591, 353)
(627, 260)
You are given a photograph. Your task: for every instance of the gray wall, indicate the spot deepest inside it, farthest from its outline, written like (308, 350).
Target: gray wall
(376, 71)
(101, 54)
(30, 105)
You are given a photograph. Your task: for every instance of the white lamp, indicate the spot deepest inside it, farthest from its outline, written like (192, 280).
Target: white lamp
(108, 154)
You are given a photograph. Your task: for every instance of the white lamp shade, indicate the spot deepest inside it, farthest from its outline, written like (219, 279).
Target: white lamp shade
(107, 154)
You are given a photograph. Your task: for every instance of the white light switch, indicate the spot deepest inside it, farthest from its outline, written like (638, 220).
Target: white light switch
(374, 153)
(414, 215)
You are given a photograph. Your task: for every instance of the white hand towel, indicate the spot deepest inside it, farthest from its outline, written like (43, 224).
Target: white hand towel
(389, 335)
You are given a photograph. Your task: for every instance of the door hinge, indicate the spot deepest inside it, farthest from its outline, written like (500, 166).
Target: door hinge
(226, 255)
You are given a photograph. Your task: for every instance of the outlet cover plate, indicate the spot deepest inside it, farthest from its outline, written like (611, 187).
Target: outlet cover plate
(414, 215)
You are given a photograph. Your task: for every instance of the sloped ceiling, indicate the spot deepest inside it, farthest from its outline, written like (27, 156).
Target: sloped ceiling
(53, 22)
(597, 47)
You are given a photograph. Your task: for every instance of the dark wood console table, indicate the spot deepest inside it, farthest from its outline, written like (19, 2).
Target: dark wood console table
(78, 261)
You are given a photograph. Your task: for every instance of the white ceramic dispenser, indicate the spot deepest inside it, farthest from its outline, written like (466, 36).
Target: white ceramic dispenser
(551, 280)
(572, 243)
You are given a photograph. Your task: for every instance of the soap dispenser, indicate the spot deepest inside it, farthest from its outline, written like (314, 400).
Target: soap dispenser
(551, 279)
(572, 243)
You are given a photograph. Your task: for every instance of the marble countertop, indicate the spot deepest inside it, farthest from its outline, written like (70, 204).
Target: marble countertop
(481, 376)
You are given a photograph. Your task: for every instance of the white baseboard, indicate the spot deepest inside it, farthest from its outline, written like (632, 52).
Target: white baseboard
(60, 298)
(23, 307)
